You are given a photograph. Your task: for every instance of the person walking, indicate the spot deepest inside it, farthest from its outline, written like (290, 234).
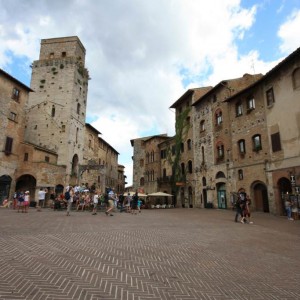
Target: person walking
(95, 203)
(42, 196)
(69, 194)
(26, 201)
(134, 204)
(288, 208)
(247, 213)
(21, 201)
(111, 199)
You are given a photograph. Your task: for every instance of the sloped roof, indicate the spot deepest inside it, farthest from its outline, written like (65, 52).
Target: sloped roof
(197, 91)
(15, 80)
(227, 83)
(144, 139)
(295, 54)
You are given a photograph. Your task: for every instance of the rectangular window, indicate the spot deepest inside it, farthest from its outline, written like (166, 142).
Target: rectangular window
(8, 145)
(47, 158)
(276, 144)
(25, 156)
(12, 116)
(242, 146)
(239, 109)
(15, 94)
(270, 97)
(251, 104)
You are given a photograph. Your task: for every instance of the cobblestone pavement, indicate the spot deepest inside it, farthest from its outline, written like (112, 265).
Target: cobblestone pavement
(158, 254)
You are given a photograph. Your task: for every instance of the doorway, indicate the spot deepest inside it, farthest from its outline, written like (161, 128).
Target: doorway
(261, 200)
(5, 183)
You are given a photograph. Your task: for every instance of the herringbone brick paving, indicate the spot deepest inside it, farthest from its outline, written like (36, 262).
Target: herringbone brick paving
(158, 254)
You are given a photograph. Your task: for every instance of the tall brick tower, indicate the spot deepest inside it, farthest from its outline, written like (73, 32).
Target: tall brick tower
(56, 111)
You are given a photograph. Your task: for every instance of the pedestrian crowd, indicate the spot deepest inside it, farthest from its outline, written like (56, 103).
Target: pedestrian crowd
(83, 199)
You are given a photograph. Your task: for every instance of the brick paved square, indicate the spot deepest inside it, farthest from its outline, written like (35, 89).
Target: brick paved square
(158, 254)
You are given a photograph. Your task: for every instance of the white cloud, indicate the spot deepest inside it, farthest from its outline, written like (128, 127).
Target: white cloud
(289, 32)
(139, 53)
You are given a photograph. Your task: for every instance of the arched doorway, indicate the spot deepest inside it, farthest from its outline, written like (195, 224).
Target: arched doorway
(5, 182)
(221, 189)
(284, 187)
(260, 195)
(26, 183)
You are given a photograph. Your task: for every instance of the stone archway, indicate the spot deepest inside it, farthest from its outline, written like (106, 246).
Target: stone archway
(260, 197)
(5, 183)
(26, 183)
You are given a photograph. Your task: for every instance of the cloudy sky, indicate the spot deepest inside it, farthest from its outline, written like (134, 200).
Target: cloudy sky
(142, 55)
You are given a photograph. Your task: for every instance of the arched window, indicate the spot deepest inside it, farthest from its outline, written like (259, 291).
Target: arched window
(147, 157)
(78, 108)
(189, 144)
(152, 156)
(220, 151)
(77, 131)
(203, 156)
(220, 174)
(202, 126)
(182, 147)
(53, 111)
(256, 140)
(190, 166)
(182, 168)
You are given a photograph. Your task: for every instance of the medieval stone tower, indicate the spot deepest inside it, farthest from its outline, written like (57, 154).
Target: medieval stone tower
(56, 111)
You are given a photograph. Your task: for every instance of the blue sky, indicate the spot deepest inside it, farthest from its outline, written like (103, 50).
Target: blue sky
(143, 55)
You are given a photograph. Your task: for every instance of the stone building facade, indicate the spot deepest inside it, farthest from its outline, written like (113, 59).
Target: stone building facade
(53, 146)
(245, 136)
(213, 141)
(13, 98)
(266, 137)
(146, 163)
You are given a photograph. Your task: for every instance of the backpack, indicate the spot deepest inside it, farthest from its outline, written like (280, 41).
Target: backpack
(67, 195)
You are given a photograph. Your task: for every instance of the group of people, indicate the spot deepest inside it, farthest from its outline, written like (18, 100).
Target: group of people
(85, 199)
(242, 206)
(21, 201)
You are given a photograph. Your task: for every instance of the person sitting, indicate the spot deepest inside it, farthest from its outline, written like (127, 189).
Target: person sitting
(81, 203)
(6, 203)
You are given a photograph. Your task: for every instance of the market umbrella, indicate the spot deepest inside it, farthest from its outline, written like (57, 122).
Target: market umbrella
(159, 194)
